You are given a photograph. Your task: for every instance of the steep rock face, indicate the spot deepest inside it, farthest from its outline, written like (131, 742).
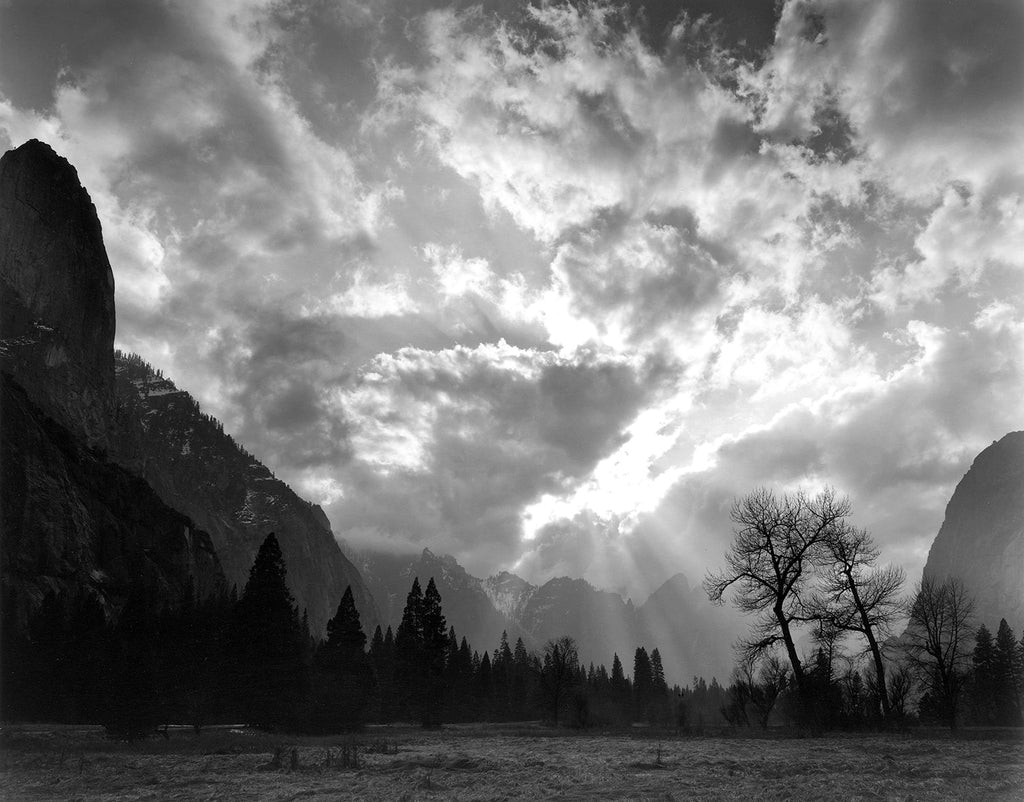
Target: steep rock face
(465, 604)
(73, 520)
(196, 468)
(981, 540)
(57, 288)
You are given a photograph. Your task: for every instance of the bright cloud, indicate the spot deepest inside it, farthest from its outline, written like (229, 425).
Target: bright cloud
(547, 287)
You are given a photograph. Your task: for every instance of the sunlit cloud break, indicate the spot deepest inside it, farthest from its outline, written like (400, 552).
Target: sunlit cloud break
(547, 287)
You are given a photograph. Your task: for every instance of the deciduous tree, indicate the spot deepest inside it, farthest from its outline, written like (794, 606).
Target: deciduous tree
(779, 541)
(939, 635)
(858, 596)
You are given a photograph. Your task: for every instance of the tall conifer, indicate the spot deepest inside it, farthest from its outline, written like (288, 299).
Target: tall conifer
(269, 643)
(409, 654)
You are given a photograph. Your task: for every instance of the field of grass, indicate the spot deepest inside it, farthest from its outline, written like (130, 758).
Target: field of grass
(505, 763)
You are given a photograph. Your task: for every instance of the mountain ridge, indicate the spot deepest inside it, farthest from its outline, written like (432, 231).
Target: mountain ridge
(602, 622)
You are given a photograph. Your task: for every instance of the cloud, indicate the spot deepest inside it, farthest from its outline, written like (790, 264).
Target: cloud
(452, 443)
(932, 92)
(548, 286)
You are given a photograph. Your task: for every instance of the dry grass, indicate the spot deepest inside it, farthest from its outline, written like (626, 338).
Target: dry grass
(478, 763)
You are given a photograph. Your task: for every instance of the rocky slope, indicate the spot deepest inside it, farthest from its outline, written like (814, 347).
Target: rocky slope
(981, 540)
(72, 520)
(196, 468)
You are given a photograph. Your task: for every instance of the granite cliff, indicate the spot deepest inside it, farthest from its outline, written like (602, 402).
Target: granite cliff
(71, 519)
(163, 464)
(981, 539)
(57, 299)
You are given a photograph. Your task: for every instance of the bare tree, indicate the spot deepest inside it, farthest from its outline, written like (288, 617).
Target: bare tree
(939, 635)
(779, 541)
(899, 684)
(561, 662)
(858, 596)
(765, 689)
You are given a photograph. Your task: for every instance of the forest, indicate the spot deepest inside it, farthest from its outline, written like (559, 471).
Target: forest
(249, 658)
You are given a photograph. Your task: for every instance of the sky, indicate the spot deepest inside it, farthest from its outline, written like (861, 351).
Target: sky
(546, 287)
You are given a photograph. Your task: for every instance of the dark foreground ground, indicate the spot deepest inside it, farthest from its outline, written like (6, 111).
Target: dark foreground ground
(505, 763)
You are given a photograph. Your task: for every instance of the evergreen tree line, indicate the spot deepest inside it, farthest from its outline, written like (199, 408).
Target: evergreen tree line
(250, 658)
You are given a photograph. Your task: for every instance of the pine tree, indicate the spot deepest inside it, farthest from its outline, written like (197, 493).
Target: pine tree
(344, 679)
(269, 644)
(484, 688)
(1006, 692)
(435, 645)
(409, 654)
(382, 657)
(522, 687)
(620, 692)
(502, 670)
(983, 708)
(659, 689)
(643, 684)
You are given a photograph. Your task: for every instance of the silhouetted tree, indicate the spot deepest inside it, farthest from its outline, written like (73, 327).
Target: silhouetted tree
(939, 632)
(435, 643)
(269, 644)
(1005, 670)
(522, 680)
(643, 685)
(858, 596)
(409, 653)
(765, 683)
(778, 542)
(382, 657)
(343, 681)
(659, 689)
(502, 670)
(558, 674)
(983, 708)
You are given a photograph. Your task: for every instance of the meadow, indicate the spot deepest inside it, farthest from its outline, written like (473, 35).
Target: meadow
(487, 762)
